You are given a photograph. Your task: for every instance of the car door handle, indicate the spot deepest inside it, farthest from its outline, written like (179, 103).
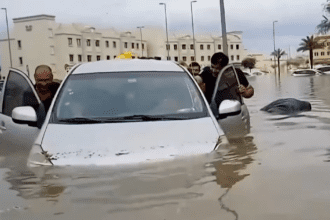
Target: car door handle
(3, 128)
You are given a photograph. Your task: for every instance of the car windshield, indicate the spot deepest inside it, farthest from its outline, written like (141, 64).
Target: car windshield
(304, 72)
(131, 96)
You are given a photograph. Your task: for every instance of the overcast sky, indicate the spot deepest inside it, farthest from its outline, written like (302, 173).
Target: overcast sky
(296, 18)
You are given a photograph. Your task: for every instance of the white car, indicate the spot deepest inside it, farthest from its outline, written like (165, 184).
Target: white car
(324, 69)
(120, 111)
(306, 72)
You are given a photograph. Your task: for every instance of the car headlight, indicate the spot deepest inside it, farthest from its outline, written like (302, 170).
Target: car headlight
(38, 157)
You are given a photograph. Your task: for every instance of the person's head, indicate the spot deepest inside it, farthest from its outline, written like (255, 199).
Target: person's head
(182, 63)
(43, 76)
(195, 68)
(218, 61)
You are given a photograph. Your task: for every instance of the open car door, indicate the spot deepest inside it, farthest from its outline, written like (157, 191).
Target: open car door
(228, 106)
(18, 91)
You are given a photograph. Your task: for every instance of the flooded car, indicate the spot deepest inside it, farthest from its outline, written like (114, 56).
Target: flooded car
(307, 72)
(122, 111)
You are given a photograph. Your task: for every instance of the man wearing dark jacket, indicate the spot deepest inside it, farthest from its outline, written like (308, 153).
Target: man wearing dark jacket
(45, 86)
(209, 76)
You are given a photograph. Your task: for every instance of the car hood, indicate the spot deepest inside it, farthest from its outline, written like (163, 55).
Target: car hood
(129, 142)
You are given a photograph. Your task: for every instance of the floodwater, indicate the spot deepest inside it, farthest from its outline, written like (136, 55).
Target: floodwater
(280, 171)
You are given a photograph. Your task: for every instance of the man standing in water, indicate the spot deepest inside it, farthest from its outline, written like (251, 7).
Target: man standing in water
(45, 86)
(209, 76)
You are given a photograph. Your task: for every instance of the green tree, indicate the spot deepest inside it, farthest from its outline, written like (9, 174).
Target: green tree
(249, 62)
(308, 44)
(324, 26)
(278, 54)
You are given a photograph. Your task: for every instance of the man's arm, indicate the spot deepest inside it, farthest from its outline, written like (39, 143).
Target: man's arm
(246, 92)
(245, 89)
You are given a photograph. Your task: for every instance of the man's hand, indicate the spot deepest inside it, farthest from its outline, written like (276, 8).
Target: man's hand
(246, 92)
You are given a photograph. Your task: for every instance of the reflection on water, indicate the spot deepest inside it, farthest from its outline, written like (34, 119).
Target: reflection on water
(134, 188)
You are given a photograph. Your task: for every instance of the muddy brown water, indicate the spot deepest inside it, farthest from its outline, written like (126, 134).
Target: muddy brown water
(280, 171)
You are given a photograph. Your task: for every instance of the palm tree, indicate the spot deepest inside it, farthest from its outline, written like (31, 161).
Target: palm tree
(308, 44)
(278, 54)
(324, 26)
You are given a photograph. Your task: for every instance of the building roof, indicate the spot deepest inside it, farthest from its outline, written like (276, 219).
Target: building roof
(67, 29)
(127, 66)
(34, 17)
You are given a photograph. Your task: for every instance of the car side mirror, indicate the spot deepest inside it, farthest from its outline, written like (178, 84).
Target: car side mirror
(24, 115)
(229, 108)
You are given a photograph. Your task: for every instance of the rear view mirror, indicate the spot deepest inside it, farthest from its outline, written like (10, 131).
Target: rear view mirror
(24, 115)
(229, 108)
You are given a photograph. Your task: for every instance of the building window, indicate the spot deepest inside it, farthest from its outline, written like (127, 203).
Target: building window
(28, 27)
(184, 58)
(237, 46)
(208, 58)
(21, 60)
(175, 47)
(168, 47)
(328, 43)
(202, 58)
(219, 46)
(52, 51)
(201, 47)
(316, 53)
(183, 46)
(19, 44)
(70, 41)
(89, 58)
(176, 59)
(78, 42)
(132, 45)
(322, 53)
(107, 43)
(79, 58)
(97, 43)
(108, 57)
(209, 47)
(191, 46)
(142, 46)
(231, 47)
(168, 58)
(237, 57)
(114, 57)
(98, 57)
(328, 53)
(71, 57)
(232, 58)
(192, 58)
(88, 42)
(114, 45)
(125, 45)
(137, 45)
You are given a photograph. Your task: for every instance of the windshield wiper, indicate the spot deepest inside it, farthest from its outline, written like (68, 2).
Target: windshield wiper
(143, 118)
(81, 120)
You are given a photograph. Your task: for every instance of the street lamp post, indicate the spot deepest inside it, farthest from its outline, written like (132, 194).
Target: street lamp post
(141, 38)
(192, 23)
(274, 46)
(11, 64)
(223, 26)
(167, 45)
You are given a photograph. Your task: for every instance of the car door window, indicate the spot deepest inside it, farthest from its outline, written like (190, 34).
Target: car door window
(226, 88)
(18, 92)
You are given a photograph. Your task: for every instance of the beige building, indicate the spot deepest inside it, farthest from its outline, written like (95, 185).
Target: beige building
(182, 48)
(322, 52)
(39, 40)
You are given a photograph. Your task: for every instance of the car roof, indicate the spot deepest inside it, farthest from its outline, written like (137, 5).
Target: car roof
(127, 66)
